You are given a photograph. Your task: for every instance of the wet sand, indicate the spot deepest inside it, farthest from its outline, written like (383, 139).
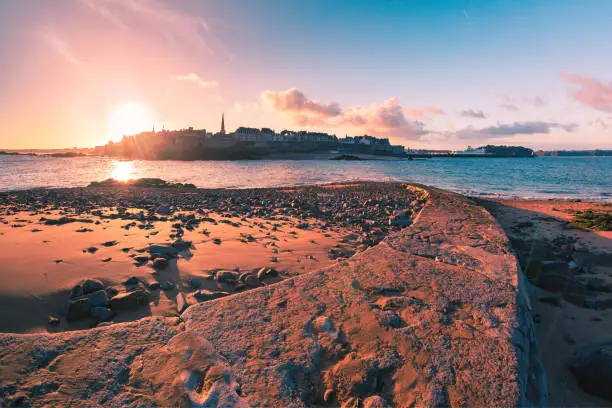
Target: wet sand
(289, 231)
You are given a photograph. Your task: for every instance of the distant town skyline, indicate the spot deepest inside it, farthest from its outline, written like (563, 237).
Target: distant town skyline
(425, 74)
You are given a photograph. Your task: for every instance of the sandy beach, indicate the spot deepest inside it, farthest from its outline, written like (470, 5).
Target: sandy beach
(221, 242)
(571, 307)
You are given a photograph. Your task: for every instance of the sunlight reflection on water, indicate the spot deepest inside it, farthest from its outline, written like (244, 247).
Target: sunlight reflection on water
(123, 171)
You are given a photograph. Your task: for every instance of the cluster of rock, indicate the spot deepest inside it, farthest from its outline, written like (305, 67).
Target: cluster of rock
(141, 182)
(368, 207)
(91, 299)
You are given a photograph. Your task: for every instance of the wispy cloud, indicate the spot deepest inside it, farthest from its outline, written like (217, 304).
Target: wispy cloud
(514, 129)
(514, 104)
(591, 92)
(472, 113)
(61, 47)
(191, 77)
(386, 119)
(422, 112)
(157, 18)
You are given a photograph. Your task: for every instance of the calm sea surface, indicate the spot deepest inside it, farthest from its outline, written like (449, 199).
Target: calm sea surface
(542, 177)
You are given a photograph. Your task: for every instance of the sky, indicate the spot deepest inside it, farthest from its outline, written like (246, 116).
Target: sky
(426, 74)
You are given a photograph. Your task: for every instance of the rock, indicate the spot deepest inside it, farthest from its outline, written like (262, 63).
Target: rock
(129, 300)
(323, 324)
(252, 281)
(76, 291)
(390, 318)
(78, 309)
(375, 402)
(141, 259)
(328, 396)
(181, 245)
(154, 285)
(53, 321)
(109, 243)
(195, 283)
(102, 314)
(266, 272)
(166, 251)
(203, 295)
(92, 285)
(163, 210)
(181, 303)
(399, 222)
(168, 286)
(131, 281)
(592, 367)
(111, 292)
(99, 298)
(160, 264)
(20, 399)
(227, 276)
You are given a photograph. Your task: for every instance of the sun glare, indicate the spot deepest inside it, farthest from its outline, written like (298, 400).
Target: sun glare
(128, 118)
(123, 171)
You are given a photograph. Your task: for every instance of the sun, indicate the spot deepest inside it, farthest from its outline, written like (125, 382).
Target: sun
(128, 118)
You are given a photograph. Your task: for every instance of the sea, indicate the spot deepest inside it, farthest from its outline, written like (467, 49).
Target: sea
(584, 178)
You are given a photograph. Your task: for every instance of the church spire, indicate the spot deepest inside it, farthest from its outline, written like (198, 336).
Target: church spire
(222, 123)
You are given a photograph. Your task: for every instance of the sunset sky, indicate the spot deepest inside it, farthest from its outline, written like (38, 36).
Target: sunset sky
(427, 74)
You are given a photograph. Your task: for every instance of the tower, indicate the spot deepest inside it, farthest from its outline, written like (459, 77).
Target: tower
(222, 123)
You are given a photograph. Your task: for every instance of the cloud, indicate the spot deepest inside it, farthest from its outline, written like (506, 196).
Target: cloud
(421, 112)
(191, 77)
(473, 113)
(155, 18)
(514, 129)
(591, 92)
(62, 48)
(515, 104)
(386, 119)
(295, 101)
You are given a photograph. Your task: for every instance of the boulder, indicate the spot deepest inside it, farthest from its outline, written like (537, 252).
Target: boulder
(592, 367)
(160, 264)
(266, 272)
(129, 300)
(166, 251)
(203, 295)
(78, 309)
(227, 276)
(102, 314)
(181, 245)
(131, 281)
(252, 281)
(181, 303)
(168, 286)
(92, 285)
(99, 298)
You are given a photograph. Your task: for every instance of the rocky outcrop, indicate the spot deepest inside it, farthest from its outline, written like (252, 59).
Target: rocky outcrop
(434, 315)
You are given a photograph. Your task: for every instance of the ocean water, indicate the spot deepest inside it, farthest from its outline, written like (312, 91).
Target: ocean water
(542, 177)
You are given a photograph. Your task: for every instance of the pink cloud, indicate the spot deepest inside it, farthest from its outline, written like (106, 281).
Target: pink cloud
(421, 112)
(386, 119)
(295, 101)
(591, 92)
